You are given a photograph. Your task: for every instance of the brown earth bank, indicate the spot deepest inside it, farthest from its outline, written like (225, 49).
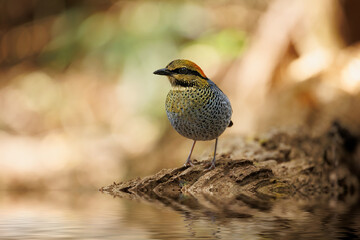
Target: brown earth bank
(258, 175)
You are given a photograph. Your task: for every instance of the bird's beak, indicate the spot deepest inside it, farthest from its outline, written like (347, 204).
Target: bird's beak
(163, 71)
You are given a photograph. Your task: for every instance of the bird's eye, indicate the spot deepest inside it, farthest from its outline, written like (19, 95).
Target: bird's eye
(183, 70)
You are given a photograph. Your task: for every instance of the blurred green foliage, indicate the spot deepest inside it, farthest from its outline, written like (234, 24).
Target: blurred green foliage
(137, 32)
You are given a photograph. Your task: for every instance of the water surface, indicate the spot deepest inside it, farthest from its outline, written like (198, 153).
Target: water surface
(92, 215)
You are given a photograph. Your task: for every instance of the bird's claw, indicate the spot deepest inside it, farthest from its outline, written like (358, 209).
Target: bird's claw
(212, 166)
(188, 163)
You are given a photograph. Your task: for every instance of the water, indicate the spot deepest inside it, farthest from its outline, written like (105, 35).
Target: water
(92, 215)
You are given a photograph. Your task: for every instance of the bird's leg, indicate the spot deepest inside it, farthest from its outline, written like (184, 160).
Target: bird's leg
(188, 161)
(212, 166)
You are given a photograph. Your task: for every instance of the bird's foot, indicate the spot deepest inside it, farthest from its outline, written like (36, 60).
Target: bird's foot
(212, 166)
(188, 163)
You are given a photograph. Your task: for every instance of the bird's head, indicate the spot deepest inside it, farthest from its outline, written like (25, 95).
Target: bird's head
(184, 73)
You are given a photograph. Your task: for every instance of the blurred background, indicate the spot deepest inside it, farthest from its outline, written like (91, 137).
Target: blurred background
(80, 107)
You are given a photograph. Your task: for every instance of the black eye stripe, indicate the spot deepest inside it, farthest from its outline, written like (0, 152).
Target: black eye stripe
(180, 71)
(187, 71)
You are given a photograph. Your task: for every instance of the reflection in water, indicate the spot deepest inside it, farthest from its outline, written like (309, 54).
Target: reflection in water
(91, 215)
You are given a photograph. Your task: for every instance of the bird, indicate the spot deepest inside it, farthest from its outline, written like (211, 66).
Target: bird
(195, 106)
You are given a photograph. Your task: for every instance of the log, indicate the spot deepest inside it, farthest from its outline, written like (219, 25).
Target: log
(254, 175)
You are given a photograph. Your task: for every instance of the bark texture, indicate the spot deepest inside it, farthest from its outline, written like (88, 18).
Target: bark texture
(255, 174)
